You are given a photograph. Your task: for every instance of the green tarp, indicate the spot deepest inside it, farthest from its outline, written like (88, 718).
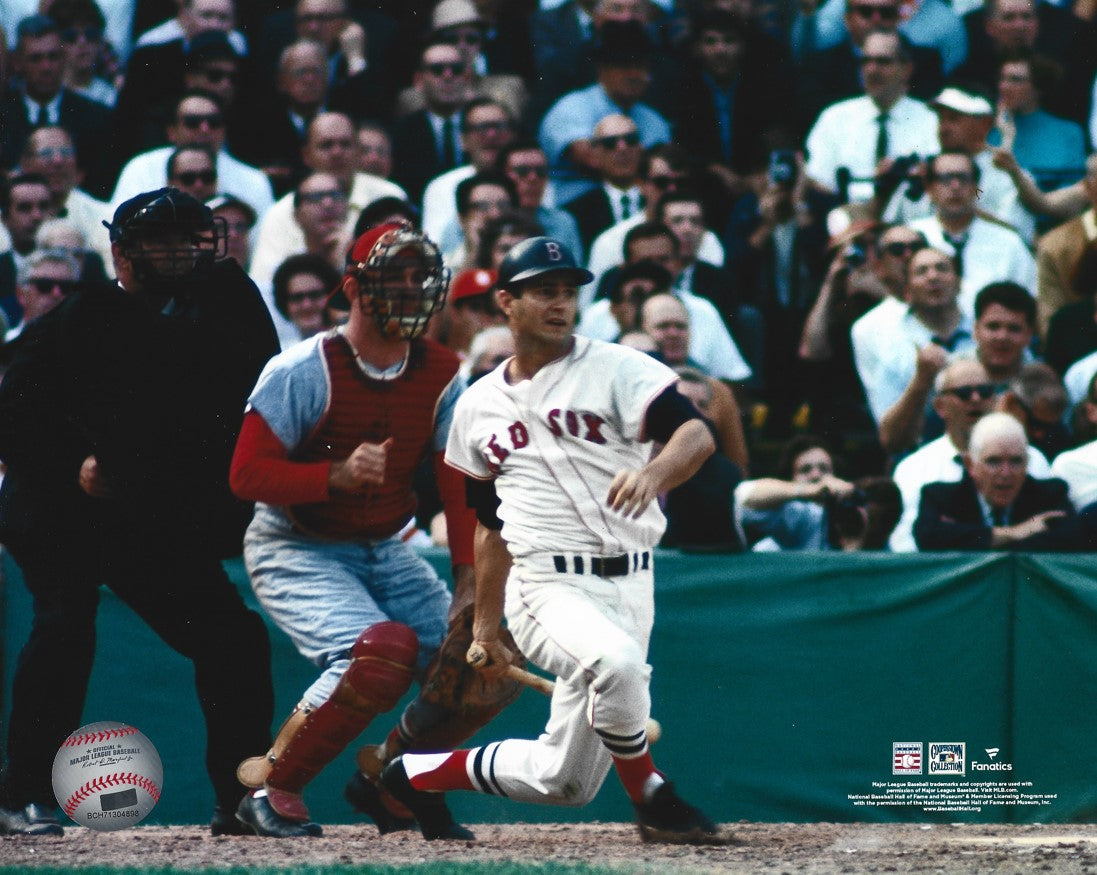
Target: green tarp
(791, 687)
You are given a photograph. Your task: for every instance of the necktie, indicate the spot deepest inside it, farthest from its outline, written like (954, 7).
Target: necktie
(958, 242)
(998, 516)
(882, 136)
(449, 154)
(626, 206)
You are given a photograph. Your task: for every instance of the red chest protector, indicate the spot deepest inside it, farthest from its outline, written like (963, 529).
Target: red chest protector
(359, 409)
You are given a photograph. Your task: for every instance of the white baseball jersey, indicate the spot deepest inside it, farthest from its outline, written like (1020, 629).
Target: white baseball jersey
(553, 444)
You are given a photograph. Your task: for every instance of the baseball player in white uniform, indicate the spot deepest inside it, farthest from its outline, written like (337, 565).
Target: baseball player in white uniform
(555, 443)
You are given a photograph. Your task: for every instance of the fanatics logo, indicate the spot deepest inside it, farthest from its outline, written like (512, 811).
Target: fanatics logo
(906, 757)
(946, 758)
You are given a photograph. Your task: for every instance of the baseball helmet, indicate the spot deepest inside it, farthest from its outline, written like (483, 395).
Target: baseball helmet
(167, 234)
(400, 271)
(537, 256)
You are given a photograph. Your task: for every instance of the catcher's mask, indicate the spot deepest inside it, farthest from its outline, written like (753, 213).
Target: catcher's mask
(400, 272)
(168, 236)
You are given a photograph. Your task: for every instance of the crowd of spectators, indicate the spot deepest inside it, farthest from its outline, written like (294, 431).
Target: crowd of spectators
(860, 226)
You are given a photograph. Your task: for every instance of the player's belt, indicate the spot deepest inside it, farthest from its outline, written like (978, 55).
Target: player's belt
(603, 566)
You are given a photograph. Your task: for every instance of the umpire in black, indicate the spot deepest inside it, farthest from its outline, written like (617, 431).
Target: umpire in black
(118, 419)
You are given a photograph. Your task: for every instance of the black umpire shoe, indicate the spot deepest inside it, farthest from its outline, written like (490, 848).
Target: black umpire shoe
(33, 820)
(667, 818)
(365, 798)
(256, 814)
(225, 823)
(430, 809)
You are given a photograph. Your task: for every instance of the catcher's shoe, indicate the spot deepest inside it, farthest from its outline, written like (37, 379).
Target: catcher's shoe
(366, 797)
(667, 818)
(32, 820)
(258, 816)
(430, 809)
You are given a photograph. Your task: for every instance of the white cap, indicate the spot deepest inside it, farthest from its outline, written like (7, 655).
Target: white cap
(963, 102)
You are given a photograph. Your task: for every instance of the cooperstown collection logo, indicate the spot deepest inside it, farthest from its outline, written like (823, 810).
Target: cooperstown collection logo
(945, 758)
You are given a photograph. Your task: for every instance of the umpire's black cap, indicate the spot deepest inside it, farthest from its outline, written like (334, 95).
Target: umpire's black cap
(537, 256)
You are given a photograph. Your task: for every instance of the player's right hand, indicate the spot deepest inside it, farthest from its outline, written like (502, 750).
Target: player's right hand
(365, 466)
(489, 656)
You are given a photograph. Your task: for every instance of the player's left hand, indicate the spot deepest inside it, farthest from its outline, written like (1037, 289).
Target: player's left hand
(631, 492)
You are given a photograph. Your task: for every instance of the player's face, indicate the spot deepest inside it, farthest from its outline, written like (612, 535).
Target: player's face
(546, 311)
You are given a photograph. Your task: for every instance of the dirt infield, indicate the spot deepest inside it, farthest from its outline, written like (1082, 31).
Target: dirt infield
(812, 849)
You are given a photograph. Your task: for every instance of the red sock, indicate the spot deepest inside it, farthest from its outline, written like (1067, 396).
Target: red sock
(449, 774)
(634, 773)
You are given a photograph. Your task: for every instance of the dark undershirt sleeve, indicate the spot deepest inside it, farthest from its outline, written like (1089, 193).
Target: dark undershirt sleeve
(480, 496)
(667, 412)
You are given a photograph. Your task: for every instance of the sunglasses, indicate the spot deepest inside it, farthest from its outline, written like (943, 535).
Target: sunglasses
(867, 11)
(59, 152)
(316, 197)
(47, 287)
(313, 297)
(189, 177)
(72, 34)
(899, 248)
(441, 69)
(614, 140)
(194, 122)
(882, 60)
(966, 393)
(946, 178)
(522, 170)
(664, 182)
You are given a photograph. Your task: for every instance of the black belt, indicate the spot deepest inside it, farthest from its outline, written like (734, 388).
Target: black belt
(604, 566)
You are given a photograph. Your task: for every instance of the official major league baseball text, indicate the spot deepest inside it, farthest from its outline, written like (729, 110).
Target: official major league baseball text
(107, 776)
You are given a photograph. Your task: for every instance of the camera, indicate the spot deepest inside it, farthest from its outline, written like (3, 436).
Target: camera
(847, 516)
(782, 167)
(901, 170)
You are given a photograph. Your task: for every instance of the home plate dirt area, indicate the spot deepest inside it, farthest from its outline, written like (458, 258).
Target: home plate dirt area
(822, 848)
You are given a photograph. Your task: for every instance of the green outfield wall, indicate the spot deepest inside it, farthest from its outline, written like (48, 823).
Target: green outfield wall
(791, 687)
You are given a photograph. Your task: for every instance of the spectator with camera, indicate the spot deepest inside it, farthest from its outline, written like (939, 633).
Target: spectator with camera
(963, 394)
(965, 118)
(851, 137)
(806, 507)
(984, 251)
(997, 505)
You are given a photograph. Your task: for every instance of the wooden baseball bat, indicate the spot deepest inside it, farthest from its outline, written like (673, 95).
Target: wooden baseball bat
(477, 655)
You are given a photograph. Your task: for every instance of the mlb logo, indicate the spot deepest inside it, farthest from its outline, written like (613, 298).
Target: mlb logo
(947, 758)
(906, 757)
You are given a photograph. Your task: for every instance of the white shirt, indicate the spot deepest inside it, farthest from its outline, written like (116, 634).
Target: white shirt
(936, 462)
(278, 236)
(1077, 378)
(710, 344)
(608, 250)
(898, 355)
(845, 135)
(617, 198)
(88, 214)
(554, 443)
(149, 171)
(992, 254)
(997, 197)
(873, 334)
(1078, 467)
(440, 200)
(167, 31)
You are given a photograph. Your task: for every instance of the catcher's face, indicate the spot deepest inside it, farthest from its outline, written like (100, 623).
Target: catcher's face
(403, 286)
